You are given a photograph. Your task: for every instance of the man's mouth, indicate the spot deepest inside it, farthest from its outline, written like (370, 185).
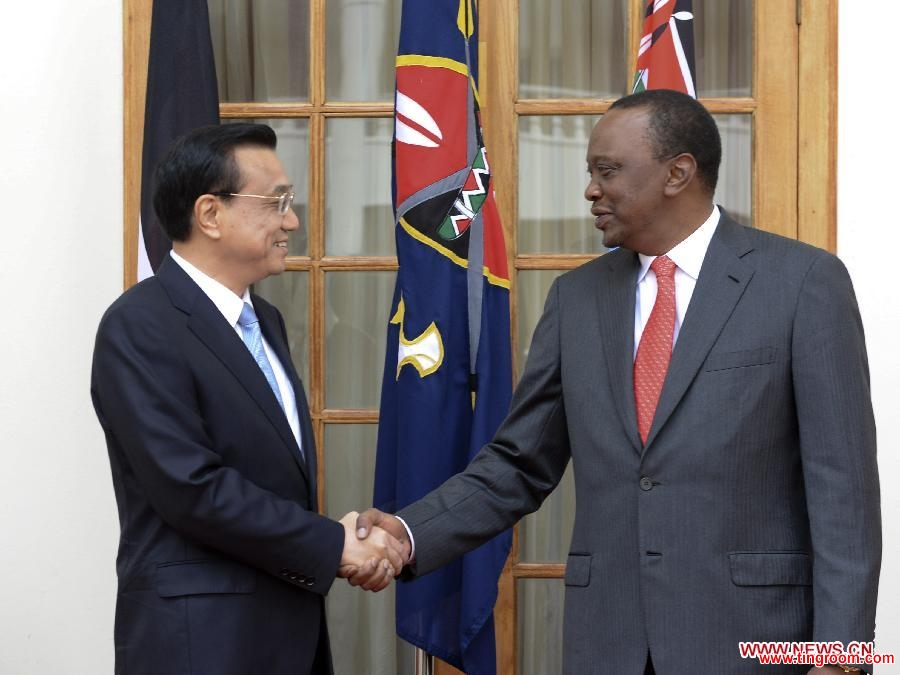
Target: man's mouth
(281, 244)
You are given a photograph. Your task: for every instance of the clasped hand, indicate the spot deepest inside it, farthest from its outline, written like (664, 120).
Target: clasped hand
(370, 562)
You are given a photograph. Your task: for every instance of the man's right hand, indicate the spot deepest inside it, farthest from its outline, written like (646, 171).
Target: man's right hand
(373, 563)
(370, 522)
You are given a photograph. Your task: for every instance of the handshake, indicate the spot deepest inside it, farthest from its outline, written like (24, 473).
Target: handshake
(376, 547)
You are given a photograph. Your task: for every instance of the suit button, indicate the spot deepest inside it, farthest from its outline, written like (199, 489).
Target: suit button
(285, 573)
(646, 483)
(310, 582)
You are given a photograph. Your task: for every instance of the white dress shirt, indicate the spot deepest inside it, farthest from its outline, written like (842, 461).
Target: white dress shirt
(688, 258)
(230, 305)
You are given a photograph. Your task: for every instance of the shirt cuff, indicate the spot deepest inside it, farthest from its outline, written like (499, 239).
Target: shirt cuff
(412, 542)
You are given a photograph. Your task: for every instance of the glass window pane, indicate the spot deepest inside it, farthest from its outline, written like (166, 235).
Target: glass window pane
(733, 191)
(546, 534)
(349, 467)
(359, 217)
(362, 45)
(356, 315)
(261, 49)
(293, 151)
(723, 47)
(572, 49)
(361, 623)
(554, 216)
(289, 292)
(540, 621)
(531, 287)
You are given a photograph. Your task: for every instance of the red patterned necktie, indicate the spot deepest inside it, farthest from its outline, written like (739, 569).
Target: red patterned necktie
(655, 348)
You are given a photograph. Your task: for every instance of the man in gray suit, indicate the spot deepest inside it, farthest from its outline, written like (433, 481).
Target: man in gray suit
(709, 383)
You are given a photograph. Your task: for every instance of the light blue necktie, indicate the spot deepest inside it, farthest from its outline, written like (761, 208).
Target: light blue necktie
(253, 339)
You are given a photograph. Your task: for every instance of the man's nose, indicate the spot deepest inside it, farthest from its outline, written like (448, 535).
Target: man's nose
(592, 191)
(291, 220)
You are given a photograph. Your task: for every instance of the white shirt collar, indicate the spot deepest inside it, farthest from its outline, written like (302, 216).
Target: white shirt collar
(222, 297)
(689, 253)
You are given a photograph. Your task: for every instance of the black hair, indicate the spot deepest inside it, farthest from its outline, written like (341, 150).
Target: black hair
(679, 123)
(201, 162)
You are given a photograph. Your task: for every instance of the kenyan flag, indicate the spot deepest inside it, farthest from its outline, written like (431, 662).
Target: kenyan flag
(666, 53)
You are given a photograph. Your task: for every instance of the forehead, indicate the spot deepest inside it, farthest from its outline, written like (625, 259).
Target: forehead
(620, 134)
(259, 166)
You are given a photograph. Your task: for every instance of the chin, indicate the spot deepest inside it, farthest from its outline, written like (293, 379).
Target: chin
(610, 241)
(277, 265)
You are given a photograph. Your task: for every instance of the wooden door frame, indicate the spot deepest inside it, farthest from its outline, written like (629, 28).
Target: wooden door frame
(136, 16)
(817, 83)
(815, 215)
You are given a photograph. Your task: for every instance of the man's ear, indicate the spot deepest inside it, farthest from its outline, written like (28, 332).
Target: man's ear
(682, 172)
(207, 211)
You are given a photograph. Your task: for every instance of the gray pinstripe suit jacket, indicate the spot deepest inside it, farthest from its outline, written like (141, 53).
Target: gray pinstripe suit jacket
(752, 512)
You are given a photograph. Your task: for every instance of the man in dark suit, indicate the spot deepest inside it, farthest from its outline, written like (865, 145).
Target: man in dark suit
(709, 383)
(223, 561)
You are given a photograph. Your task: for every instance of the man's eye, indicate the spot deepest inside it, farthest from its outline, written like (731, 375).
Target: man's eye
(606, 170)
(603, 170)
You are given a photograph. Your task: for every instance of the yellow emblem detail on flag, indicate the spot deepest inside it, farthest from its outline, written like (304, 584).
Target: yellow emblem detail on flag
(398, 315)
(464, 18)
(425, 353)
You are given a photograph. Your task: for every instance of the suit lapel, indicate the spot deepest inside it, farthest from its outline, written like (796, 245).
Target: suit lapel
(724, 277)
(616, 303)
(210, 327)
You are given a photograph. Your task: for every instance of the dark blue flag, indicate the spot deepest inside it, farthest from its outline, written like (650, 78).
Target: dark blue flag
(182, 95)
(448, 375)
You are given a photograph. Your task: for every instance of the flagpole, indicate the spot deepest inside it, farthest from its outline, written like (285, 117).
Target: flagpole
(424, 662)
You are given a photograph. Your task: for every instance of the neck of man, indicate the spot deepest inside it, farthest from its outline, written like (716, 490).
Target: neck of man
(682, 223)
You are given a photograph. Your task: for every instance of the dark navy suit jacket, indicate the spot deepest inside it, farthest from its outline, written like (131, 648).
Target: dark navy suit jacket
(223, 562)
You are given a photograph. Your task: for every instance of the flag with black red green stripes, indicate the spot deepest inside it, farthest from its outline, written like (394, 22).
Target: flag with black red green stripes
(666, 52)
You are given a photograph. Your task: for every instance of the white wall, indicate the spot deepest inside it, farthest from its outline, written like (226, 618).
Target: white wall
(60, 266)
(868, 240)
